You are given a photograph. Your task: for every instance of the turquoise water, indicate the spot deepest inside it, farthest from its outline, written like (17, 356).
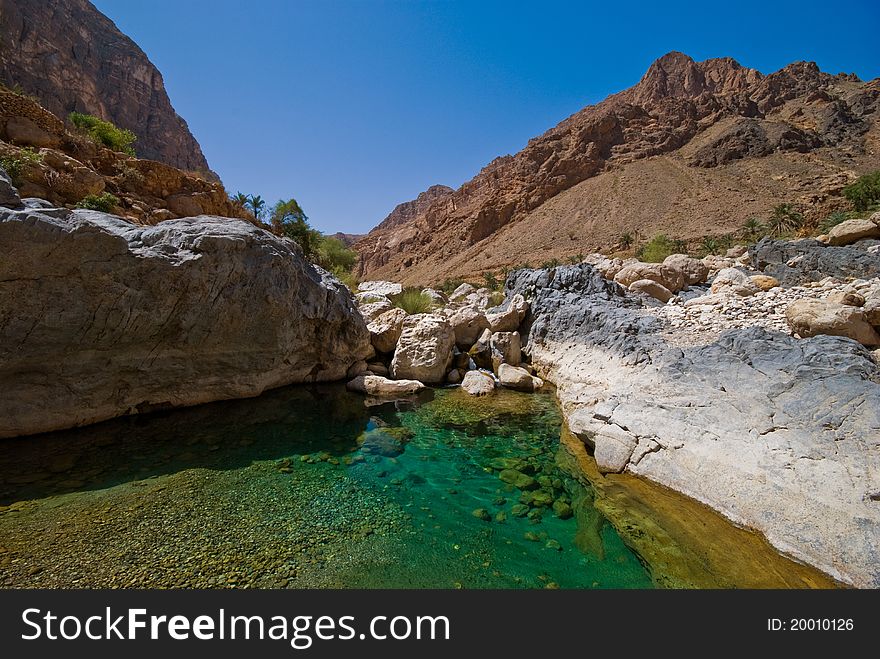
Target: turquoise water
(309, 487)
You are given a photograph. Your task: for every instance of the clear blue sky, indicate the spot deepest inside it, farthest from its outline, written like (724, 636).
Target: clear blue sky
(353, 107)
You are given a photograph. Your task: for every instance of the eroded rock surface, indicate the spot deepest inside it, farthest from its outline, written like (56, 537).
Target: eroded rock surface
(779, 434)
(100, 317)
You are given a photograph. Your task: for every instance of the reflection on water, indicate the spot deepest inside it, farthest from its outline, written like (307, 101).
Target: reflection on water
(306, 486)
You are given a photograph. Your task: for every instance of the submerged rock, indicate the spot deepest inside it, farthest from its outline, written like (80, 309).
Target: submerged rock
(100, 317)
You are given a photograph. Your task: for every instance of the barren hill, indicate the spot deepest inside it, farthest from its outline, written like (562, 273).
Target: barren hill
(693, 149)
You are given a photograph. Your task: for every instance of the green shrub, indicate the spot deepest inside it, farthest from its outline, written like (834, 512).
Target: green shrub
(752, 229)
(864, 194)
(346, 277)
(550, 264)
(785, 219)
(16, 164)
(104, 133)
(626, 240)
(450, 284)
(832, 220)
(659, 247)
(492, 282)
(333, 255)
(104, 202)
(495, 298)
(412, 300)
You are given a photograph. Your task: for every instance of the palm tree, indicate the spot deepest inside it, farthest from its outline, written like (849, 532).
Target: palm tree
(626, 240)
(239, 199)
(752, 228)
(257, 205)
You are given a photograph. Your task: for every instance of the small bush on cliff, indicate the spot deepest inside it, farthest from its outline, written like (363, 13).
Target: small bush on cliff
(864, 194)
(104, 133)
(412, 300)
(659, 247)
(17, 163)
(104, 202)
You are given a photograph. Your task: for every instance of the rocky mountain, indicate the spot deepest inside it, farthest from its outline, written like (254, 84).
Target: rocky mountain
(693, 149)
(347, 239)
(73, 58)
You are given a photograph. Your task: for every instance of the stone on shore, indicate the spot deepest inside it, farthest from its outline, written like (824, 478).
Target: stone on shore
(478, 383)
(514, 377)
(385, 329)
(812, 317)
(424, 349)
(376, 385)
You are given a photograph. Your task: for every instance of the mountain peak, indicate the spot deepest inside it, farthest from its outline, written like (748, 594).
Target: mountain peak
(676, 75)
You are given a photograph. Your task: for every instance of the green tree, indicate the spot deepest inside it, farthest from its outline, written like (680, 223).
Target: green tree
(239, 199)
(333, 255)
(289, 219)
(257, 205)
(864, 194)
(785, 219)
(752, 229)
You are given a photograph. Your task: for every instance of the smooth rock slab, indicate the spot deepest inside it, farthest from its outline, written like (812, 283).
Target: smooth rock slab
(100, 317)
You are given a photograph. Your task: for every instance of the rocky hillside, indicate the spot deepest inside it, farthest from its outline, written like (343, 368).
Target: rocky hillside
(694, 149)
(73, 58)
(48, 161)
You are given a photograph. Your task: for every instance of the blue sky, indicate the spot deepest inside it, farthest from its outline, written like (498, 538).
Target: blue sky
(355, 106)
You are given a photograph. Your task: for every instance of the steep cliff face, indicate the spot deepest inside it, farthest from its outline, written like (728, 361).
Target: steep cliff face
(698, 146)
(73, 58)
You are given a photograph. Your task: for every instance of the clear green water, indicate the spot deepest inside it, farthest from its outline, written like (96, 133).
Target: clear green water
(308, 487)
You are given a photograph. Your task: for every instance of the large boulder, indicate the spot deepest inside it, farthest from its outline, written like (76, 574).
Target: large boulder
(383, 288)
(811, 317)
(851, 231)
(652, 288)
(693, 270)
(462, 292)
(467, 324)
(372, 310)
(424, 349)
(385, 329)
(514, 377)
(506, 348)
(668, 276)
(510, 316)
(795, 262)
(382, 387)
(731, 280)
(478, 383)
(100, 317)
